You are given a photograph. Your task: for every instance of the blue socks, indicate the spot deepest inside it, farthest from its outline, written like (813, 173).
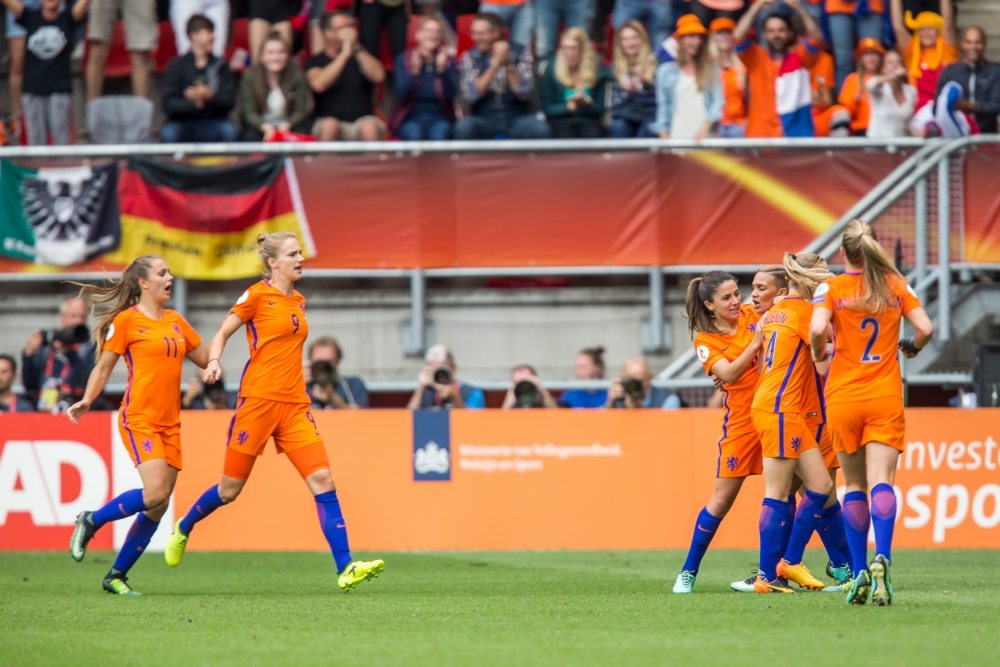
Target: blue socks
(773, 525)
(208, 503)
(831, 531)
(806, 518)
(123, 506)
(331, 520)
(791, 521)
(136, 542)
(883, 518)
(704, 530)
(856, 522)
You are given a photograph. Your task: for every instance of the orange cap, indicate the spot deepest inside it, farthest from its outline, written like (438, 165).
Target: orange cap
(869, 44)
(722, 24)
(689, 25)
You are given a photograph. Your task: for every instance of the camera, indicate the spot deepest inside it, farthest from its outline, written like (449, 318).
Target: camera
(525, 394)
(323, 372)
(443, 375)
(633, 388)
(68, 336)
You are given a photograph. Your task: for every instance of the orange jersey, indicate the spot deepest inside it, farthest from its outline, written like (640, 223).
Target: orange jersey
(154, 352)
(762, 75)
(854, 97)
(734, 106)
(787, 372)
(814, 405)
(850, 6)
(865, 364)
(712, 347)
(276, 333)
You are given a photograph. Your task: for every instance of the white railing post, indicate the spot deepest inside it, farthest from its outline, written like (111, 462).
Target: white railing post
(943, 333)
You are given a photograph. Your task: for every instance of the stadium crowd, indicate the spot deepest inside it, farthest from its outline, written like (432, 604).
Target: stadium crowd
(287, 70)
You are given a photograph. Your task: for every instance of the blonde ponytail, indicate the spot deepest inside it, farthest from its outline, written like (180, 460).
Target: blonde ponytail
(862, 249)
(805, 271)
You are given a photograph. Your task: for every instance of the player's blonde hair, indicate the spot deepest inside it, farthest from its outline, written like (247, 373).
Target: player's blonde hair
(862, 249)
(269, 245)
(805, 271)
(121, 294)
(700, 290)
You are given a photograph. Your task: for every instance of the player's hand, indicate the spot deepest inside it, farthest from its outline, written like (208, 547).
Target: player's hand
(77, 410)
(717, 382)
(908, 348)
(212, 372)
(822, 355)
(758, 337)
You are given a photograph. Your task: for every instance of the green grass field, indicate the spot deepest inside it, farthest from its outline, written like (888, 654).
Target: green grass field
(511, 609)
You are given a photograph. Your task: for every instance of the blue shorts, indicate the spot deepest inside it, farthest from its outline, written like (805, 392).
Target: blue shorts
(16, 30)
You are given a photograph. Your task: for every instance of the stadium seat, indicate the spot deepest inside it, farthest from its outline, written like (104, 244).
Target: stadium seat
(464, 30)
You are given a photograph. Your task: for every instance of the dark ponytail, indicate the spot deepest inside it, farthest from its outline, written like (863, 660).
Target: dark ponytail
(699, 291)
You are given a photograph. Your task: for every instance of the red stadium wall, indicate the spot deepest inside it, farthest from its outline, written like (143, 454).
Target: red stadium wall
(518, 480)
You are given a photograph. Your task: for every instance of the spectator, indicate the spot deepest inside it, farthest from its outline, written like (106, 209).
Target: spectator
(267, 16)
(710, 10)
(57, 362)
(634, 389)
(274, 95)
(786, 109)
(426, 81)
(689, 89)
(47, 92)
(141, 33)
(343, 78)
(216, 10)
(854, 93)
(438, 386)
(526, 390)
(852, 21)
(9, 401)
(927, 44)
(892, 99)
(518, 15)
(978, 79)
(829, 119)
(198, 91)
(589, 365)
(15, 66)
(551, 14)
(656, 15)
(733, 123)
(573, 88)
(373, 15)
(633, 97)
(329, 389)
(211, 396)
(496, 81)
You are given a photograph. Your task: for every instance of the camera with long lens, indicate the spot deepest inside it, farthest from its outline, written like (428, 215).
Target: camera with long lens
(323, 372)
(633, 389)
(525, 394)
(443, 376)
(68, 336)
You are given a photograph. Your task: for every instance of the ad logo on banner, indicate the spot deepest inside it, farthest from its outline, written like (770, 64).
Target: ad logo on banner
(431, 446)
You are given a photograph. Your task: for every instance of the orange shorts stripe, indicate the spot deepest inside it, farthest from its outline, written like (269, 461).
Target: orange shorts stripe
(783, 435)
(739, 454)
(256, 420)
(854, 424)
(821, 433)
(145, 442)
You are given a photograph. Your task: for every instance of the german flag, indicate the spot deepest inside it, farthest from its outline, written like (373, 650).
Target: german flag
(204, 220)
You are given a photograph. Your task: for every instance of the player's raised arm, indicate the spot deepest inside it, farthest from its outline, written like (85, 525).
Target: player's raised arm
(95, 385)
(213, 368)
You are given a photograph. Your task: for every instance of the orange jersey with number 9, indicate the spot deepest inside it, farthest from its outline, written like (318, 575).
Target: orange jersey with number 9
(865, 363)
(276, 333)
(787, 373)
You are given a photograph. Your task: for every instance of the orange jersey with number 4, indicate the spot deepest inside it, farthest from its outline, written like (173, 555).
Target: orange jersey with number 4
(787, 377)
(712, 347)
(154, 352)
(276, 333)
(865, 364)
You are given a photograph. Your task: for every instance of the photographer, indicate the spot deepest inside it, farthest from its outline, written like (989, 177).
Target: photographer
(526, 390)
(438, 387)
(634, 389)
(57, 362)
(589, 365)
(210, 396)
(329, 389)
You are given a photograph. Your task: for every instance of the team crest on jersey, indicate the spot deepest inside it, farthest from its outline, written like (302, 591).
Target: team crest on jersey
(147, 446)
(702, 353)
(796, 443)
(242, 437)
(177, 330)
(732, 462)
(752, 327)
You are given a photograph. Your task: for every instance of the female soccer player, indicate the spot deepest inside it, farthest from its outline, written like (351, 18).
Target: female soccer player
(154, 342)
(864, 394)
(273, 402)
(726, 342)
(789, 447)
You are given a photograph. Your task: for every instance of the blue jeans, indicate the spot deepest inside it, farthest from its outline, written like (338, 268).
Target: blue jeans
(842, 31)
(521, 127)
(656, 15)
(550, 14)
(627, 129)
(520, 18)
(198, 131)
(732, 131)
(426, 128)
